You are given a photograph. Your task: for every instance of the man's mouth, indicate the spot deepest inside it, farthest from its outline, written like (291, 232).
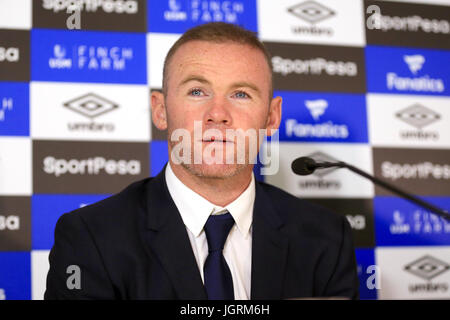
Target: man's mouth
(216, 140)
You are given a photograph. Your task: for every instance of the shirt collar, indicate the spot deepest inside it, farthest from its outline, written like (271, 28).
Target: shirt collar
(195, 210)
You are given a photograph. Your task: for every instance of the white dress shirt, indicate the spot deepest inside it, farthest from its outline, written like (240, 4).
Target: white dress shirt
(195, 210)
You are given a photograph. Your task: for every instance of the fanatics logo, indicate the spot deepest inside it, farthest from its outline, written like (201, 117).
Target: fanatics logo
(427, 267)
(417, 83)
(319, 117)
(311, 11)
(316, 107)
(414, 62)
(326, 129)
(91, 105)
(418, 116)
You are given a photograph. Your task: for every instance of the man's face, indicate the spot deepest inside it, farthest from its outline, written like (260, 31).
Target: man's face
(221, 87)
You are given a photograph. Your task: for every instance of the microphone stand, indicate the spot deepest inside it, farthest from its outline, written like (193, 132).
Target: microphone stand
(387, 186)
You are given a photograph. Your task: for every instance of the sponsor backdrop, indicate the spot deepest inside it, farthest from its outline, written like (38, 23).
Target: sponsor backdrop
(366, 82)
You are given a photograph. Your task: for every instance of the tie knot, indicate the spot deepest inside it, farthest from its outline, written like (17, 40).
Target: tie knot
(217, 228)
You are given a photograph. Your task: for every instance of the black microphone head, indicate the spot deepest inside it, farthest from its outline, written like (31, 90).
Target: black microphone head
(303, 166)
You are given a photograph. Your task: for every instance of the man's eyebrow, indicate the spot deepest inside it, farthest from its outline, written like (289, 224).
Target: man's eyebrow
(195, 78)
(247, 85)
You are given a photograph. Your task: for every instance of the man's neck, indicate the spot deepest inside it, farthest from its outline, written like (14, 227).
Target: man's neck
(219, 191)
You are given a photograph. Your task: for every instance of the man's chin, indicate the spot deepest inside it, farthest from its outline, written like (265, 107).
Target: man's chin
(214, 170)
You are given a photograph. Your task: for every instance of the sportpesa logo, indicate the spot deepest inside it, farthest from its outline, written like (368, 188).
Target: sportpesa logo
(91, 166)
(107, 6)
(9, 222)
(423, 170)
(314, 66)
(9, 54)
(414, 23)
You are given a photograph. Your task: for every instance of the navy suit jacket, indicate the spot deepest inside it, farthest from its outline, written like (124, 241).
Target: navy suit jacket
(134, 245)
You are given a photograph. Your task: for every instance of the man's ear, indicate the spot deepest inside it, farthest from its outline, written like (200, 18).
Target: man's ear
(159, 115)
(274, 116)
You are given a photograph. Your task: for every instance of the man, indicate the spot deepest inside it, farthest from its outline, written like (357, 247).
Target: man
(204, 228)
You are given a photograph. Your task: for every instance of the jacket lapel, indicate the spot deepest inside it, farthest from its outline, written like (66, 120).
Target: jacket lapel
(269, 249)
(167, 238)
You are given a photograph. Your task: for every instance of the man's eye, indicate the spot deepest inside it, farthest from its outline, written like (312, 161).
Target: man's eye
(196, 92)
(241, 95)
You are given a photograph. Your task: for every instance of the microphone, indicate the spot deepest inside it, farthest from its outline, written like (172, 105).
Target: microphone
(305, 166)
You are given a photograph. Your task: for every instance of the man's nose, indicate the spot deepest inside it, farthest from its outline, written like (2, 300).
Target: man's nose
(218, 112)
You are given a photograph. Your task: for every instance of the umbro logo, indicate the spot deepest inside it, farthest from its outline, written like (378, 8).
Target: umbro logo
(427, 267)
(91, 105)
(418, 116)
(311, 11)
